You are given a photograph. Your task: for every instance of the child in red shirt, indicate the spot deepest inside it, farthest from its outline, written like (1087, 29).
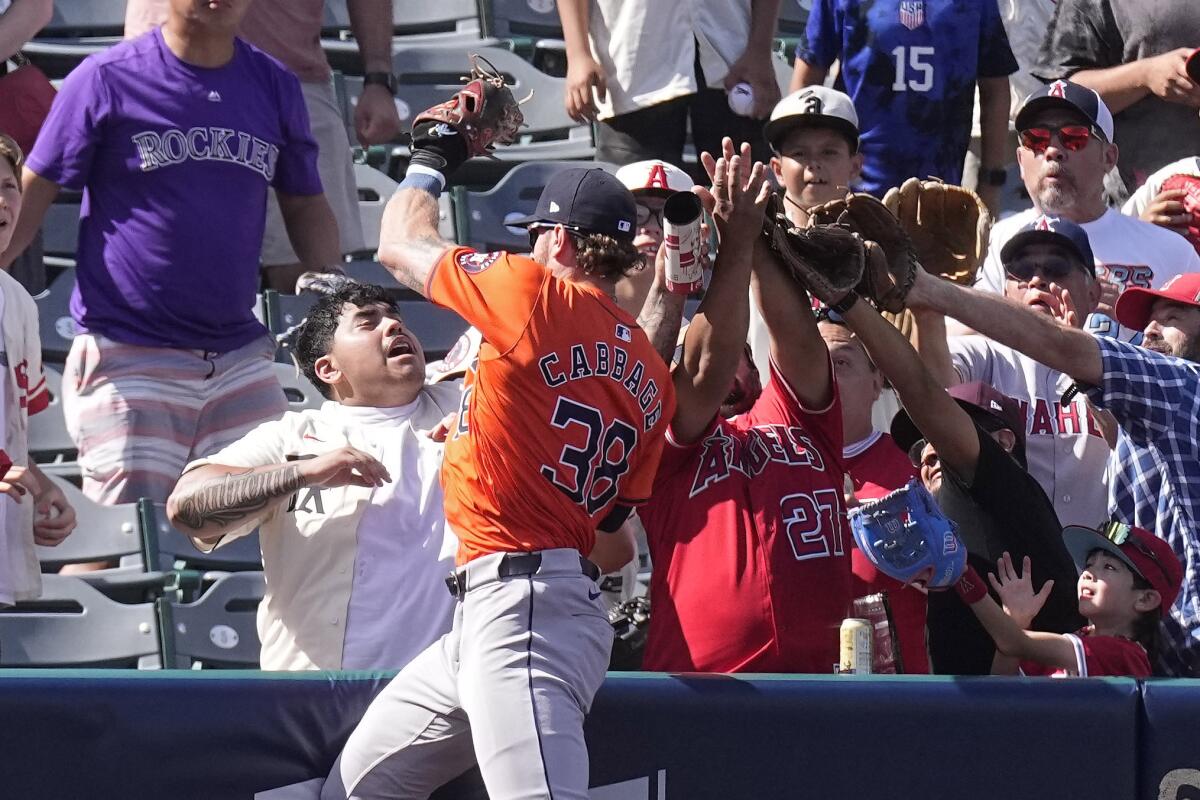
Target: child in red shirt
(1128, 580)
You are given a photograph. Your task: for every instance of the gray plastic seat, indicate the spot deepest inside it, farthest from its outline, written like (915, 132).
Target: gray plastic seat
(102, 533)
(218, 629)
(75, 625)
(164, 547)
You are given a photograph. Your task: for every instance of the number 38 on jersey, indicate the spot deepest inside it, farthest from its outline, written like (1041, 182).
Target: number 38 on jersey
(588, 474)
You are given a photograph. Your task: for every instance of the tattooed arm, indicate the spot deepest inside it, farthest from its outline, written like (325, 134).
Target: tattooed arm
(409, 242)
(212, 500)
(662, 312)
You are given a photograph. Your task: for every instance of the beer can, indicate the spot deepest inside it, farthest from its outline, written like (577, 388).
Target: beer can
(856, 636)
(681, 233)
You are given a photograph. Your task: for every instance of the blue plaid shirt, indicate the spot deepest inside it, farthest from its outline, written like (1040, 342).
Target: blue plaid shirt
(1154, 474)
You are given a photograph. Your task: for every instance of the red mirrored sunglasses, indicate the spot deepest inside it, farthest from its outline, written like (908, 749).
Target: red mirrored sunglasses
(1072, 137)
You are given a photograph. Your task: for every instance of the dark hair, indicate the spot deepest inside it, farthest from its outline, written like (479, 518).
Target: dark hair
(316, 332)
(603, 256)
(1148, 624)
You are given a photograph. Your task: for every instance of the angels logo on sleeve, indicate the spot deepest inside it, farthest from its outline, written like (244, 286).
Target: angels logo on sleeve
(474, 263)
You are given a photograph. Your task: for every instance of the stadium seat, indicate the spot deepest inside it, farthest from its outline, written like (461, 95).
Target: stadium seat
(165, 548)
(481, 216)
(531, 28)
(430, 75)
(50, 446)
(74, 625)
(55, 326)
(216, 630)
(102, 533)
(793, 19)
(447, 22)
(300, 393)
(374, 190)
(60, 229)
(77, 29)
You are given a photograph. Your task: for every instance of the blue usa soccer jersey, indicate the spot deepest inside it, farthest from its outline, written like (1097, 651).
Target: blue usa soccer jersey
(910, 67)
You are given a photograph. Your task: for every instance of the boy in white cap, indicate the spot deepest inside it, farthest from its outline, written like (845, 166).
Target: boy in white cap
(813, 133)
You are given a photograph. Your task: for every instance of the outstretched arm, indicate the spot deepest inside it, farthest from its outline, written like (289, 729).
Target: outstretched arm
(797, 348)
(662, 311)
(409, 242)
(1061, 347)
(716, 336)
(935, 413)
(211, 500)
(1051, 649)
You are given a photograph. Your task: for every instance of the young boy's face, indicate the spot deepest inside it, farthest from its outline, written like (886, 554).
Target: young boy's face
(815, 165)
(10, 202)
(1107, 596)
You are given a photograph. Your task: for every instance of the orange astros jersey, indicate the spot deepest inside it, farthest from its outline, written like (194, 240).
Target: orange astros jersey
(563, 415)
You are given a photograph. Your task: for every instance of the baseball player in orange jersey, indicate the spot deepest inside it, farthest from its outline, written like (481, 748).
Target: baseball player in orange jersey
(560, 433)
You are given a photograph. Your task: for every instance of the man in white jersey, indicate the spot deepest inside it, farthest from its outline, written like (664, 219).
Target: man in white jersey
(1066, 448)
(1065, 134)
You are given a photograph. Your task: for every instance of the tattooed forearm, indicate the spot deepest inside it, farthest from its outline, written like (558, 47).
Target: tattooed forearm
(660, 319)
(231, 498)
(409, 243)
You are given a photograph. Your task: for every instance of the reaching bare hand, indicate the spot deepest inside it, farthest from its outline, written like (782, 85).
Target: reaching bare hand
(739, 189)
(1166, 210)
(584, 76)
(1016, 590)
(345, 466)
(1166, 76)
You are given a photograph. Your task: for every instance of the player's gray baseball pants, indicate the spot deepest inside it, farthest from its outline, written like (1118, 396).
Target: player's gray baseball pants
(514, 677)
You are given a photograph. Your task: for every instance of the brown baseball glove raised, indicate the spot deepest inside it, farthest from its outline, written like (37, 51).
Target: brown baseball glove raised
(885, 281)
(948, 226)
(828, 260)
(481, 115)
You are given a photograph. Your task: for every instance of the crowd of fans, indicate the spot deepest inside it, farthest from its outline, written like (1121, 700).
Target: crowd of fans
(1072, 365)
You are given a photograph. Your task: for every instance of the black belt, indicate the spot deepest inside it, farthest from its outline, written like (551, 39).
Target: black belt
(512, 565)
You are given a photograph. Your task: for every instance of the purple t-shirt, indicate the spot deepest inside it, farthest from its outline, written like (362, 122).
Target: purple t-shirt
(174, 162)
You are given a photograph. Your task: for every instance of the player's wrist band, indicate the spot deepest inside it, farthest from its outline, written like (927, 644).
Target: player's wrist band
(845, 304)
(970, 587)
(419, 176)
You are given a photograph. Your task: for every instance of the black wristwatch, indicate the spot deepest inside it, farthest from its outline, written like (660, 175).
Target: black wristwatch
(993, 177)
(385, 79)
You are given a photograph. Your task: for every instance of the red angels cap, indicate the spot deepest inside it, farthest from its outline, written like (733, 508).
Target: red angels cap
(1147, 555)
(1134, 304)
(654, 177)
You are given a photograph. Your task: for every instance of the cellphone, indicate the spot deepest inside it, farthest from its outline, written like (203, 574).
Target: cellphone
(5, 464)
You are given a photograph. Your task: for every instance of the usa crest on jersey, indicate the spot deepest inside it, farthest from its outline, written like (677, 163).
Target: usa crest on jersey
(912, 13)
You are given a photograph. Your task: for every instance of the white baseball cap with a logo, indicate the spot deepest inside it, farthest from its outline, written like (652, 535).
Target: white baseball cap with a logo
(813, 105)
(654, 177)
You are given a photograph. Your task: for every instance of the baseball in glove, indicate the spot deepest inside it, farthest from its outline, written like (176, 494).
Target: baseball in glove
(948, 226)
(827, 259)
(885, 282)
(481, 115)
(906, 536)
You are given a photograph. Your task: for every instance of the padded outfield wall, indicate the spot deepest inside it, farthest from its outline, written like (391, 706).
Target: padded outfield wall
(105, 735)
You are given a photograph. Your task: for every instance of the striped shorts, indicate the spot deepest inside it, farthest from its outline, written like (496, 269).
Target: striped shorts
(139, 414)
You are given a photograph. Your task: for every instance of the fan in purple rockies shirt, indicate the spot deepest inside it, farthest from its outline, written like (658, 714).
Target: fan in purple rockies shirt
(175, 139)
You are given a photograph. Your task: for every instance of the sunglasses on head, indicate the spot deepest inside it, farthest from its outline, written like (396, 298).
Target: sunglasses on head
(1051, 268)
(1072, 137)
(1119, 533)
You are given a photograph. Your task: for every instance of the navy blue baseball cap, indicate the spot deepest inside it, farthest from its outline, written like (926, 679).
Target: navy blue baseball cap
(1052, 230)
(587, 201)
(1072, 96)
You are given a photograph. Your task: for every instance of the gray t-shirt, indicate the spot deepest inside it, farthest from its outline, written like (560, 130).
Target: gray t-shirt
(1096, 34)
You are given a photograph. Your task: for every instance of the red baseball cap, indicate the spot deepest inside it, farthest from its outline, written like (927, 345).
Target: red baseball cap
(1133, 306)
(1144, 553)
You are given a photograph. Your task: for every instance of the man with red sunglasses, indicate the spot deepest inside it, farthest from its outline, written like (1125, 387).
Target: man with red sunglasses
(1065, 150)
